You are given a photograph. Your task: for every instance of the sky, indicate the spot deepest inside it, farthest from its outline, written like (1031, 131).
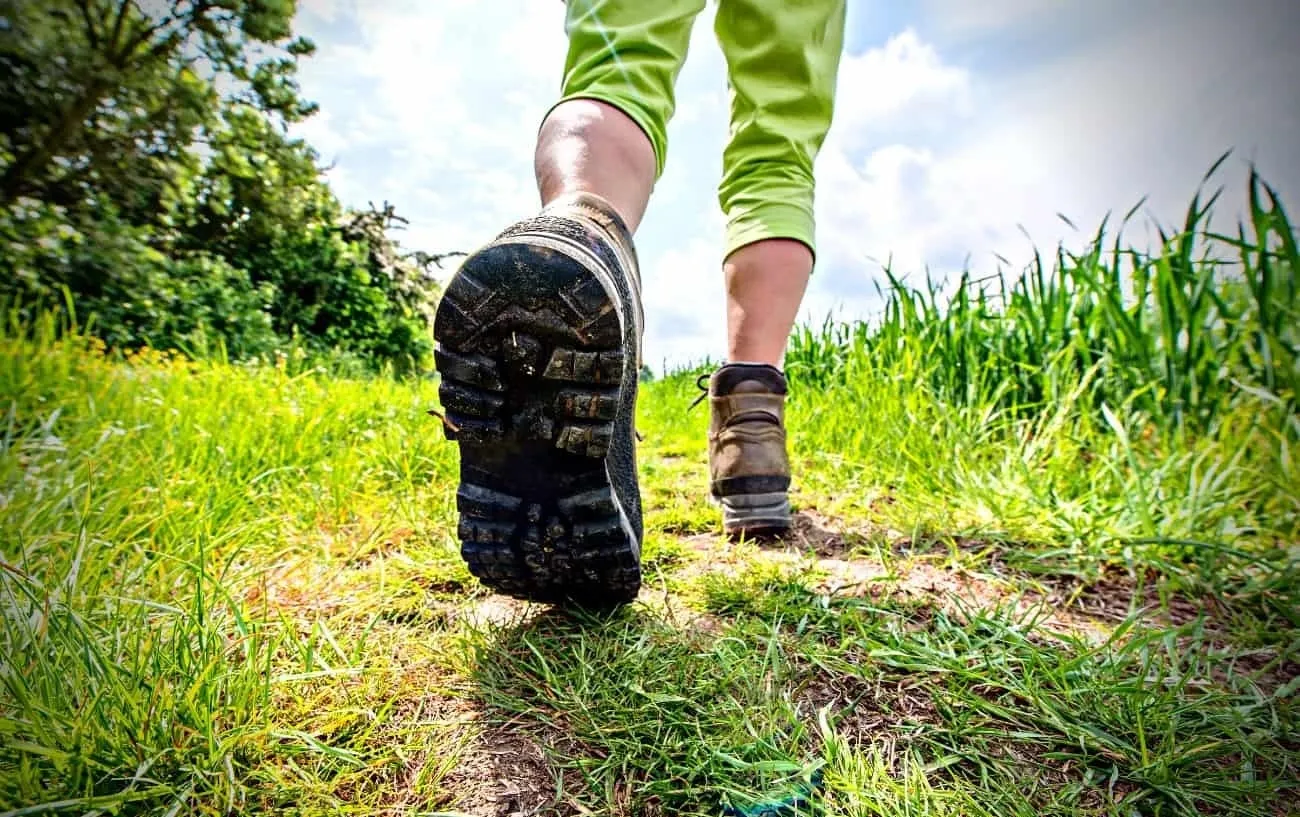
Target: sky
(963, 131)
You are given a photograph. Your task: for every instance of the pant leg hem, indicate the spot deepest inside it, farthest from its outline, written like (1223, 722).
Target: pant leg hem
(771, 219)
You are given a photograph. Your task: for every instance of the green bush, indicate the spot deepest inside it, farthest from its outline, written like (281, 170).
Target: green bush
(129, 293)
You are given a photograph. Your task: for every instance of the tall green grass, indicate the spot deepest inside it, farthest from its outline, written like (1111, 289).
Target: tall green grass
(1178, 334)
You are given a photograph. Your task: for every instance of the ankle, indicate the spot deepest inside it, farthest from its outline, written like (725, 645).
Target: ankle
(588, 146)
(765, 284)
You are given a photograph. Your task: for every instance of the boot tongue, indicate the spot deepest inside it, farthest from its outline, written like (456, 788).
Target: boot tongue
(748, 378)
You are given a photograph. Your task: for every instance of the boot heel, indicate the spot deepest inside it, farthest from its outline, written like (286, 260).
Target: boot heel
(755, 515)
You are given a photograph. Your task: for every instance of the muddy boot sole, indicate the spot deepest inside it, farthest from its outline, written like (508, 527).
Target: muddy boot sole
(532, 349)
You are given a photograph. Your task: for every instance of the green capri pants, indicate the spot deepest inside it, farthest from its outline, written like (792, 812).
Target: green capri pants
(782, 64)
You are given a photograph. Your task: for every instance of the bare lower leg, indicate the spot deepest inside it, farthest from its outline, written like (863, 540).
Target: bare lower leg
(589, 146)
(766, 282)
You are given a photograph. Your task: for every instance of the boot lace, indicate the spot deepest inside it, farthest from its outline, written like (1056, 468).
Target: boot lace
(701, 383)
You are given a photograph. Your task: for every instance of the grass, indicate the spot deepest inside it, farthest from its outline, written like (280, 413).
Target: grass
(1023, 581)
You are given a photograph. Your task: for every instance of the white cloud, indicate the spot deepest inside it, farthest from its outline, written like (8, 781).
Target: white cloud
(884, 195)
(1101, 118)
(685, 303)
(426, 112)
(958, 19)
(323, 11)
(904, 83)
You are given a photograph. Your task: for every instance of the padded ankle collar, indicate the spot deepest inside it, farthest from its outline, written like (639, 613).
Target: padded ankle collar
(599, 212)
(598, 209)
(726, 379)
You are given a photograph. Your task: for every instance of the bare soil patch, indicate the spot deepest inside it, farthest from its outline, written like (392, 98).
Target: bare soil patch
(1089, 609)
(815, 532)
(954, 591)
(925, 578)
(504, 773)
(883, 711)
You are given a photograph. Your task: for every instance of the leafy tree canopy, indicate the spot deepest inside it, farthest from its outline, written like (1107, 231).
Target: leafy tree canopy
(146, 168)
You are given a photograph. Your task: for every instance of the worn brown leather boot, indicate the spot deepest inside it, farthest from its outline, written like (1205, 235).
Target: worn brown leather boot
(749, 468)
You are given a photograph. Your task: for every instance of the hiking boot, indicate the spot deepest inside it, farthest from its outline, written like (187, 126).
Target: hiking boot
(539, 348)
(749, 469)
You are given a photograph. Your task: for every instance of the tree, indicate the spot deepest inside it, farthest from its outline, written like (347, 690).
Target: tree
(91, 81)
(145, 165)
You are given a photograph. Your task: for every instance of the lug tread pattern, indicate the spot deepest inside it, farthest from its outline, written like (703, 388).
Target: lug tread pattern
(531, 367)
